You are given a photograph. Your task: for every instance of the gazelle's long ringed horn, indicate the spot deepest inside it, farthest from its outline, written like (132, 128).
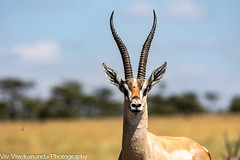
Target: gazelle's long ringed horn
(145, 50)
(123, 50)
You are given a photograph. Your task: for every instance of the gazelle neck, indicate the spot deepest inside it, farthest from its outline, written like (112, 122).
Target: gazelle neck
(135, 132)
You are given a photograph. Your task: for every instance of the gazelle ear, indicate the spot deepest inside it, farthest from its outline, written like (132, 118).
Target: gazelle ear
(112, 76)
(156, 75)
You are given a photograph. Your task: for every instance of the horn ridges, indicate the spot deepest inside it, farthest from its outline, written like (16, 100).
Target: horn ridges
(123, 50)
(144, 54)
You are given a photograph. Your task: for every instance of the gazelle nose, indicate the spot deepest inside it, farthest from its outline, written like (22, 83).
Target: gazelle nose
(138, 105)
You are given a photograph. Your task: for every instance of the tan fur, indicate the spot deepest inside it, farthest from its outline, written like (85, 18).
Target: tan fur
(135, 92)
(139, 144)
(134, 87)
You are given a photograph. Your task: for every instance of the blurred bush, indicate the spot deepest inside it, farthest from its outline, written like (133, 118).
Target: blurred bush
(68, 99)
(235, 104)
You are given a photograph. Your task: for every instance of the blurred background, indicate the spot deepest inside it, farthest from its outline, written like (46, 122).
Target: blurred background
(51, 55)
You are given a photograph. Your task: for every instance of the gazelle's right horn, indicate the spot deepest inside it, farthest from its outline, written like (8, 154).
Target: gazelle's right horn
(123, 50)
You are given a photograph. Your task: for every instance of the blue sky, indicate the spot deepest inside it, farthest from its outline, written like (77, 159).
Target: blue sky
(49, 41)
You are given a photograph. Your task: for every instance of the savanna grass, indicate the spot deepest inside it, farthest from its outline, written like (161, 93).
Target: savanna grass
(100, 138)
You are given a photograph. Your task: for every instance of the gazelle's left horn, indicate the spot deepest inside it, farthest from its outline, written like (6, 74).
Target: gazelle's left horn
(144, 54)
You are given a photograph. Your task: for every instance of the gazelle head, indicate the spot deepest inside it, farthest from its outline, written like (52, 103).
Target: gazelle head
(135, 90)
(231, 155)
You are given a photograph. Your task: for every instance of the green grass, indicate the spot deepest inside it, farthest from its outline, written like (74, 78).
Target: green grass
(101, 138)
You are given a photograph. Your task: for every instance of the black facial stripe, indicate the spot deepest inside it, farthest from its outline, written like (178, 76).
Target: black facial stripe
(135, 97)
(125, 89)
(144, 89)
(125, 92)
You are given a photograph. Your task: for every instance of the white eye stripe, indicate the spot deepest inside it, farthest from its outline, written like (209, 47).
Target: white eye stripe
(126, 86)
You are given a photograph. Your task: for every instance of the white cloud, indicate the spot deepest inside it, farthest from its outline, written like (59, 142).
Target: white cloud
(177, 9)
(141, 9)
(184, 9)
(40, 52)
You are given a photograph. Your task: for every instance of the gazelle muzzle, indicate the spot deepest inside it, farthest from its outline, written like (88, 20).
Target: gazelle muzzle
(136, 104)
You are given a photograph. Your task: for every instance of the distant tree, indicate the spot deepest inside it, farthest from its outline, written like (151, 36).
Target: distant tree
(68, 100)
(186, 103)
(65, 99)
(4, 110)
(160, 105)
(235, 104)
(105, 103)
(212, 97)
(12, 90)
(174, 104)
(103, 94)
(34, 107)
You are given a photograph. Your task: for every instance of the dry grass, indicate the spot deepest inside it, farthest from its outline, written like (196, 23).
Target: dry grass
(101, 138)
